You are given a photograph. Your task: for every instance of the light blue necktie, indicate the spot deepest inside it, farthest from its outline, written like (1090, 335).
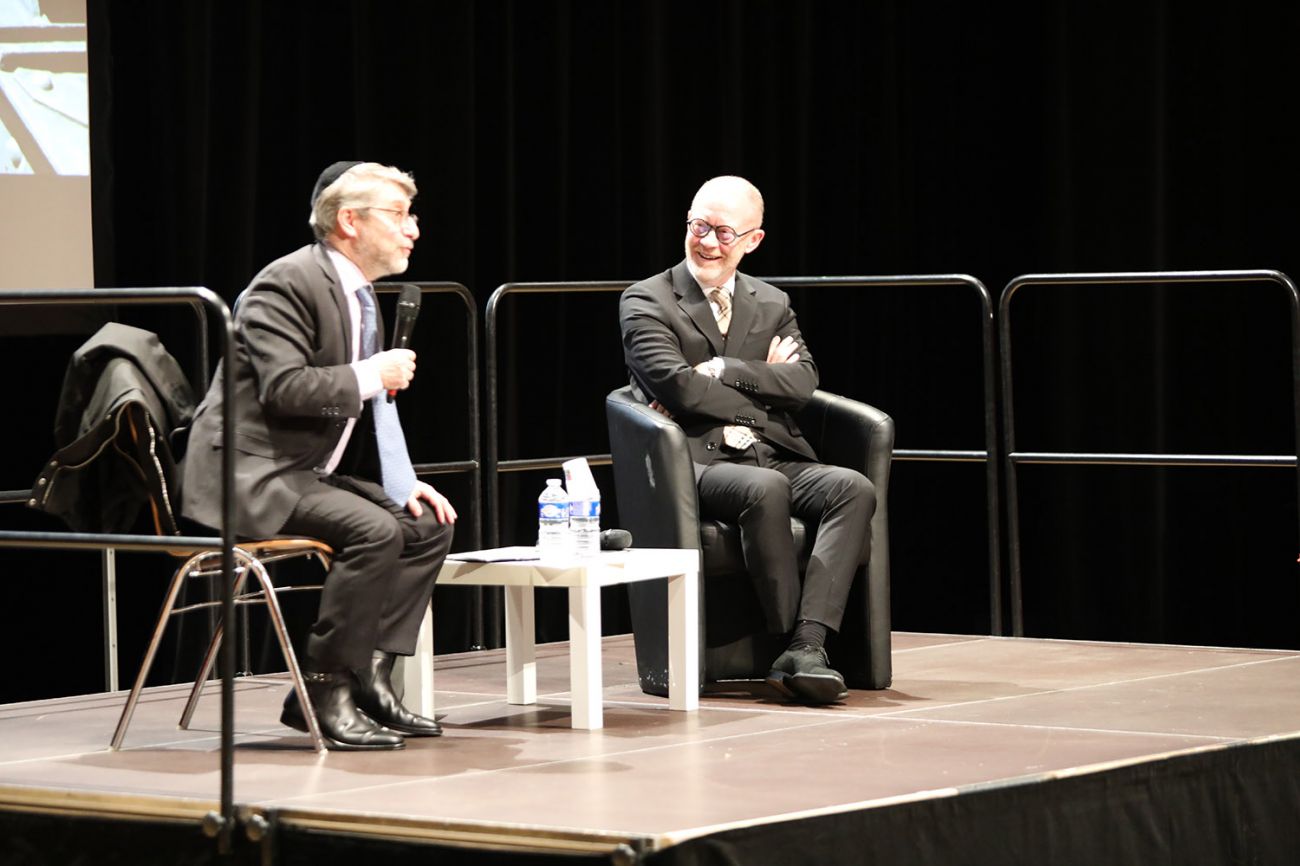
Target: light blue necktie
(394, 461)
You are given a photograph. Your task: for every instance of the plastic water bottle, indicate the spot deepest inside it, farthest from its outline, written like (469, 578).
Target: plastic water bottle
(584, 525)
(553, 520)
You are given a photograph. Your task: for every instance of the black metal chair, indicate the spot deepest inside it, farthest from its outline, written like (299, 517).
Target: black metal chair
(655, 487)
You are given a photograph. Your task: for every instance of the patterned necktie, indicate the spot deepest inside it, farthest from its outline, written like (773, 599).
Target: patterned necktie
(394, 461)
(723, 300)
(734, 436)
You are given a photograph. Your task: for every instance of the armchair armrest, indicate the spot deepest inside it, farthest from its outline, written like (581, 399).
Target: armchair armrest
(850, 433)
(654, 478)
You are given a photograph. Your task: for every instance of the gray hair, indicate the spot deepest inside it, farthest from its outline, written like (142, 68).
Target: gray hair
(354, 188)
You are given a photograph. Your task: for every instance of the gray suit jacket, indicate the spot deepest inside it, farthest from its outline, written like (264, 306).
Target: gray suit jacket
(294, 391)
(668, 328)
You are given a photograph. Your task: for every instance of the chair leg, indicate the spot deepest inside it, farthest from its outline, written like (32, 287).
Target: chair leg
(209, 657)
(286, 647)
(170, 602)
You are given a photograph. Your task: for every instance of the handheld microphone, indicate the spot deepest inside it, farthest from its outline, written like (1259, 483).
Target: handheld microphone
(615, 539)
(408, 307)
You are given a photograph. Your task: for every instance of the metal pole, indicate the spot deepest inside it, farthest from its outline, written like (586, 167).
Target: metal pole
(108, 567)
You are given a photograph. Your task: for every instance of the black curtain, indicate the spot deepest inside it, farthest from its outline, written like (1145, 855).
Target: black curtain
(563, 141)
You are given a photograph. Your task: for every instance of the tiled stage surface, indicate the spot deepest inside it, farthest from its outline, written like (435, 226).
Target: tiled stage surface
(964, 713)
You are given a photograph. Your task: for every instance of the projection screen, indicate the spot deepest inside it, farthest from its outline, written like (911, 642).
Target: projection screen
(44, 145)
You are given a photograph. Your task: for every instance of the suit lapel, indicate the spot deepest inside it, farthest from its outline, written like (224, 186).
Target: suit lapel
(743, 309)
(335, 291)
(691, 300)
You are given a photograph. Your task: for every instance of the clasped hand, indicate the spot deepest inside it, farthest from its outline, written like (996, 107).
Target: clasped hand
(782, 350)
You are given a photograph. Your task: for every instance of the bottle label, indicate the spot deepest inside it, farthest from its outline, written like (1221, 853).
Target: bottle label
(552, 511)
(585, 508)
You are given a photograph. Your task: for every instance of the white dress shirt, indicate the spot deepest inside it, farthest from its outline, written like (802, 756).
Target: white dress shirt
(369, 383)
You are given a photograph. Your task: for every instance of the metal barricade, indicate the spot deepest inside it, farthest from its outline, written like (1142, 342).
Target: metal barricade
(493, 465)
(108, 559)
(472, 465)
(989, 367)
(222, 825)
(1013, 457)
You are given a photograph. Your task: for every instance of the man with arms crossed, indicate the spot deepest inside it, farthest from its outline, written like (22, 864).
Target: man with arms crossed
(320, 451)
(720, 353)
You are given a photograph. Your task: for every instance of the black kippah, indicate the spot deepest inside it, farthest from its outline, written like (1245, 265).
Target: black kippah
(329, 175)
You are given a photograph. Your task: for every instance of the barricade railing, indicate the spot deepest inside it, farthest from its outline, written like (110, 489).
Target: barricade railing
(472, 465)
(493, 466)
(108, 556)
(220, 826)
(988, 455)
(1013, 457)
(108, 544)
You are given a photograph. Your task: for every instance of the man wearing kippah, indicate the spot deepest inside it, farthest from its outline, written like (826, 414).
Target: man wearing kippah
(720, 353)
(319, 451)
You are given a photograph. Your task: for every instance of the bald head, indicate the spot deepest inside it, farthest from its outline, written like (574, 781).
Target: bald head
(733, 208)
(733, 193)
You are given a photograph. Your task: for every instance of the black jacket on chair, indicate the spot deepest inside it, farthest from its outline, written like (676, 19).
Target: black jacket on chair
(654, 481)
(123, 398)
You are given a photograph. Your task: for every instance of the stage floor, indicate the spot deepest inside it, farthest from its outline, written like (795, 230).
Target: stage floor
(965, 713)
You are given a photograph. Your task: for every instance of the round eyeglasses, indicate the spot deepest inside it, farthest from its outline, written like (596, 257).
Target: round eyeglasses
(724, 234)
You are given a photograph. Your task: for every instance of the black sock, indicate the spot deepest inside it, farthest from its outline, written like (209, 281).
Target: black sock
(808, 632)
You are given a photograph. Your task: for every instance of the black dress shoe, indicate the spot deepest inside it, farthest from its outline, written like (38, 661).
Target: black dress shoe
(344, 727)
(803, 673)
(372, 689)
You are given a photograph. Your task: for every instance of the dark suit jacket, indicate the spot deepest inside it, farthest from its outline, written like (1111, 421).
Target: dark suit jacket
(108, 465)
(294, 391)
(668, 328)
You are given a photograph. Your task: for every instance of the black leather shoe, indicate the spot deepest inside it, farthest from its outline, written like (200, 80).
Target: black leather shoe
(372, 689)
(803, 673)
(344, 727)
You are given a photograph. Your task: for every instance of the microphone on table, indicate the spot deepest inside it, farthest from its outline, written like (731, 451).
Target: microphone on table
(615, 539)
(408, 307)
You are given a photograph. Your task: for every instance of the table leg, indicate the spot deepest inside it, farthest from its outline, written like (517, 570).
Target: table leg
(521, 643)
(684, 642)
(585, 675)
(417, 672)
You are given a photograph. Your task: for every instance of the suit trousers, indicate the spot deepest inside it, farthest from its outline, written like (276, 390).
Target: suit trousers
(381, 579)
(759, 489)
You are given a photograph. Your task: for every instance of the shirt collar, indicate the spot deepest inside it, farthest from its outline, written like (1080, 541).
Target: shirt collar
(350, 277)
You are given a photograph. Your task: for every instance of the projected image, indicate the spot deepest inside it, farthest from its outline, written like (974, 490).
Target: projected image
(44, 95)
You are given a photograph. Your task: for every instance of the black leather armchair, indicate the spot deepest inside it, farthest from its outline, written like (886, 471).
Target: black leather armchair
(655, 486)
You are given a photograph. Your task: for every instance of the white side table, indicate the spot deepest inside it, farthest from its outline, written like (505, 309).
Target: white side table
(583, 578)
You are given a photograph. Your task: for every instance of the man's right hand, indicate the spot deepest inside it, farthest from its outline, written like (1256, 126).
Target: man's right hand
(396, 368)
